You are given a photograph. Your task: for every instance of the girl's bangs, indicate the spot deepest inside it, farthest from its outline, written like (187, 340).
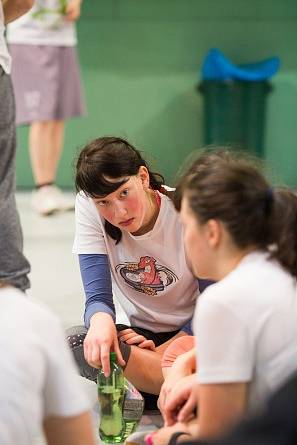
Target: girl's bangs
(99, 187)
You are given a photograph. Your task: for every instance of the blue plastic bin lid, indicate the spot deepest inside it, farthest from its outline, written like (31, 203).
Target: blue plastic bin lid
(217, 67)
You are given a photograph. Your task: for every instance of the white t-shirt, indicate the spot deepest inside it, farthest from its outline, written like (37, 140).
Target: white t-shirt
(246, 328)
(5, 60)
(157, 289)
(44, 24)
(37, 373)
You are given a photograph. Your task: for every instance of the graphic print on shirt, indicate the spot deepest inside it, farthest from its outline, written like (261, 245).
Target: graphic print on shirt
(147, 276)
(48, 14)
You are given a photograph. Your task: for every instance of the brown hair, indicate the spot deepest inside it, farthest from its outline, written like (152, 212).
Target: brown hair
(110, 157)
(231, 188)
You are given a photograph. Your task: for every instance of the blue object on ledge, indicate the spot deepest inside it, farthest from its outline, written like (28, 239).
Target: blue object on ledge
(216, 66)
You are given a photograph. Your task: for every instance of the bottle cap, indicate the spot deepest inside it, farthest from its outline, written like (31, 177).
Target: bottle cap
(113, 357)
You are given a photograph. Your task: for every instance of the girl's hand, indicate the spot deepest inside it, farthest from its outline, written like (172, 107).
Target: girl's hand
(131, 337)
(180, 404)
(183, 366)
(100, 340)
(72, 10)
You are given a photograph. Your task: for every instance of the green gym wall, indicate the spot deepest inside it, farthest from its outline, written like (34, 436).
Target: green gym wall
(140, 64)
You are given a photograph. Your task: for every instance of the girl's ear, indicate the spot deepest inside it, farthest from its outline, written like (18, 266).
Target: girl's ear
(214, 232)
(143, 174)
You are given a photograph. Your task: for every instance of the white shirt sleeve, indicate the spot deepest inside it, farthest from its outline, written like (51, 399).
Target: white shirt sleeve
(225, 351)
(89, 238)
(63, 391)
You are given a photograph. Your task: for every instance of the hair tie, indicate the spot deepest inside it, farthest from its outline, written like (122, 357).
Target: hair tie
(268, 200)
(269, 194)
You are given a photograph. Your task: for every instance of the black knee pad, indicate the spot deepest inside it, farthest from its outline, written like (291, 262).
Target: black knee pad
(76, 335)
(125, 351)
(75, 338)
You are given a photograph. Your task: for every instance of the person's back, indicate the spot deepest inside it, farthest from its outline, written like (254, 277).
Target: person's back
(38, 381)
(262, 297)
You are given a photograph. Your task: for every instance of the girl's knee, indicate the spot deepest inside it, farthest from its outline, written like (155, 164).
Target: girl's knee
(179, 346)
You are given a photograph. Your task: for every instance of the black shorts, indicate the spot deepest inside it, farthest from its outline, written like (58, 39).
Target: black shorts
(158, 337)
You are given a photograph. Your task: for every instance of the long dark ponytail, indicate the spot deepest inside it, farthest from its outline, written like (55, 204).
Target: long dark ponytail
(110, 157)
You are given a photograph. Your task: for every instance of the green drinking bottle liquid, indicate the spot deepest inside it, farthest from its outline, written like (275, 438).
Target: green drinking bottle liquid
(111, 396)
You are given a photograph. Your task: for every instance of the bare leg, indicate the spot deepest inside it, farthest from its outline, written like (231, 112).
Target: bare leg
(45, 143)
(58, 142)
(144, 370)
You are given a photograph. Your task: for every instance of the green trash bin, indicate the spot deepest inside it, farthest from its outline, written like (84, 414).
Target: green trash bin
(234, 113)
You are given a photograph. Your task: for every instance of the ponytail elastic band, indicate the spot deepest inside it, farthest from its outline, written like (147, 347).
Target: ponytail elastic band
(269, 194)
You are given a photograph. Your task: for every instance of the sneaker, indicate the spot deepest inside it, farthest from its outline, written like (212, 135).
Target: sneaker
(50, 199)
(67, 200)
(75, 337)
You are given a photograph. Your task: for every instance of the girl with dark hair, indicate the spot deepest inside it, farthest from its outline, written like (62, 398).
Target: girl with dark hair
(242, 233)
(127, 229)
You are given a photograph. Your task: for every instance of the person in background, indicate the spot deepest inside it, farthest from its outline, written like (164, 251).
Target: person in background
(13, 265)
(46, 81)
(127, 229)
(39, 389)
(241, 232)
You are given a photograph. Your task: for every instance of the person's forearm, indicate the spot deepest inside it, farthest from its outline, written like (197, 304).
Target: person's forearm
(96, 280)
(98, 317)
(76, 430)
(221, 405)
(13, 9)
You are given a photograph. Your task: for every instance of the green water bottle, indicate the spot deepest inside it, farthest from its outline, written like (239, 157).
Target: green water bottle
(111, 397)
